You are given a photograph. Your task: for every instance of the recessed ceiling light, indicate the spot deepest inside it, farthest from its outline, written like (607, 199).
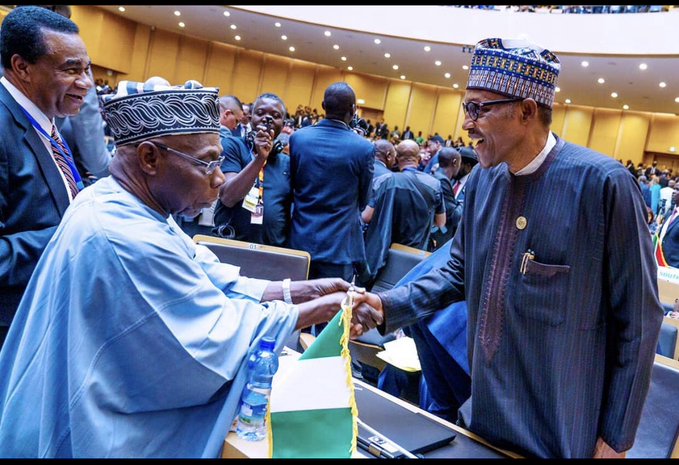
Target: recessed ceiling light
(350, 68)
(234, 27)
(456, 85)
(403, 76)
(662, 84)
(177, 13)
(284, 37)
(625, 107)
(327, 33)
(181, 24)
(360, 101)
(584, 64)
(465, 67)
(447, 75)
(378, 41)
(676, 100)
(237, 37)
(568, 100)
(437, 62)
(601, 80)
(427, 48)
(277, 24)
(343, 58)
(557, 89)
(643, 66)
(121, 9)
(673, 149)
(395, 66)
(336, 47)
(614, 94)
(387, 55)
(291, 48)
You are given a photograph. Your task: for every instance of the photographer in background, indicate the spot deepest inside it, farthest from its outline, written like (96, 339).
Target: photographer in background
(254, 201)
(331, 174)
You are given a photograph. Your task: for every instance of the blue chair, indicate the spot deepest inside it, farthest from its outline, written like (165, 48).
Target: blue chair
(659, 426)
(667, 340)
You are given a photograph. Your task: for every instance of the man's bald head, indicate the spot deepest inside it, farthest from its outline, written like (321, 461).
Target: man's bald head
(407, 153)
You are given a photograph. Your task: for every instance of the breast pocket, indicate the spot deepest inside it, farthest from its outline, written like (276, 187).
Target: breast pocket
(542, 292)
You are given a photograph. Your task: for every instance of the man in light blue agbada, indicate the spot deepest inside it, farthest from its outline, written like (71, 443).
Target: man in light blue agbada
(131, 340)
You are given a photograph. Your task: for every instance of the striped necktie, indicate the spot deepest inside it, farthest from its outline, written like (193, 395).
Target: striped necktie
(60, 158)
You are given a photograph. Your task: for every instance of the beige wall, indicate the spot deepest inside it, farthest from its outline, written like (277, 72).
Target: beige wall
(135, 52)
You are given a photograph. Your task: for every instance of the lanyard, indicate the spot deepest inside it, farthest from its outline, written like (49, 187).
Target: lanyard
(259, 182)
(67, 155)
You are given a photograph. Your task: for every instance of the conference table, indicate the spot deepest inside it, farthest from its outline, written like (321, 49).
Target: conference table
(465, 444)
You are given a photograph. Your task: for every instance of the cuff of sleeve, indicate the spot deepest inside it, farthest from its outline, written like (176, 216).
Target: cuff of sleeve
(250, 287)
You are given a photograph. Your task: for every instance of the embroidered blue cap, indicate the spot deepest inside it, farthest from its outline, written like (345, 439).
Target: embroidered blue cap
(515, 68)
(139, 111)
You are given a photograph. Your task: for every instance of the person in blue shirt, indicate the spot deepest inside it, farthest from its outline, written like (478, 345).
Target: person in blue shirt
(131, 340)
(331, 172)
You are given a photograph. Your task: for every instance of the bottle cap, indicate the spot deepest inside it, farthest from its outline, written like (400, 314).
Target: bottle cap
(267, 343)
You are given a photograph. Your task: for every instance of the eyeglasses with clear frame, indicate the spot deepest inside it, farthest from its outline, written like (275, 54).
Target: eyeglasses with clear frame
(473, 109)
(210, 166)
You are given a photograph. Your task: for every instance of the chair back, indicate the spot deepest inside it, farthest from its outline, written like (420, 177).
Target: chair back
(257, 260)
(400, 260)
(262, 262)
(667, 340)
(659, 426)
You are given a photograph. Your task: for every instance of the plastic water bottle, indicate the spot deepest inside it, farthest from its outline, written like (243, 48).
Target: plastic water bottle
(262, 365)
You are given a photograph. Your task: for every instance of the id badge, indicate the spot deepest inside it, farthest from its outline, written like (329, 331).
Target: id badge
(258, 215)
(251, 199)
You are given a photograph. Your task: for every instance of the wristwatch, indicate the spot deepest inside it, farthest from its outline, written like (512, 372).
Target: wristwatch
(286, 291)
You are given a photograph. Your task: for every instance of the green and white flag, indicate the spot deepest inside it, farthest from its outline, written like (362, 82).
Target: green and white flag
(312, 411)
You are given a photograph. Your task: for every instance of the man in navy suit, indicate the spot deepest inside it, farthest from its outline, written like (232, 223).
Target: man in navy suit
(46, 70)
(331, 171)
(669, 233)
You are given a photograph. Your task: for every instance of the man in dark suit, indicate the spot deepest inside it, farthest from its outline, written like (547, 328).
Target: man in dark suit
(46, 76)
(669, 235)
(331, 175)
(230, 114)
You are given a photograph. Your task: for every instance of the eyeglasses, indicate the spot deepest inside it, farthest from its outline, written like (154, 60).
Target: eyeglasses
(473, 109)
(210, 167)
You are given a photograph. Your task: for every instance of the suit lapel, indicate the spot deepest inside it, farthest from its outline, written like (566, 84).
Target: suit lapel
(48, 168)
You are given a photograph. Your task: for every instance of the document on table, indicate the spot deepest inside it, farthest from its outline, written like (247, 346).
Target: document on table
(401, 353)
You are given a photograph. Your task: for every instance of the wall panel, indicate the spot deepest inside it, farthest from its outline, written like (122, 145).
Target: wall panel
(274, 76)
(396, 106)
(664, 133)
(246, 75)
(139, 54)
(447, 109)
(300, 85)
(604, 133)
(577, 124)
(191, 60)
(220, 67)
(96, 26)
(422, 107)
(632, 136)
(558, 117)
(162, 58)
(369, 88)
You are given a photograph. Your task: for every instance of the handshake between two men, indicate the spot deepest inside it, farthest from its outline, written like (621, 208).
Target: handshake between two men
(319, 300)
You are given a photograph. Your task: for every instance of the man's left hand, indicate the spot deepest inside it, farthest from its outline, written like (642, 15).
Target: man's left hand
(604, 451)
